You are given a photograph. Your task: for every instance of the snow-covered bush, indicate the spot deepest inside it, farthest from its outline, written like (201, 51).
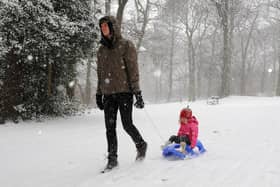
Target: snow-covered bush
(41, 41)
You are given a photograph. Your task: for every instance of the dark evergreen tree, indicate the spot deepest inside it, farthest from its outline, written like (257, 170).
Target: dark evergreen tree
(40, 44)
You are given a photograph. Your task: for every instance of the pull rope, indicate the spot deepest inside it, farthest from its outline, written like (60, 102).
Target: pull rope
(154, 125)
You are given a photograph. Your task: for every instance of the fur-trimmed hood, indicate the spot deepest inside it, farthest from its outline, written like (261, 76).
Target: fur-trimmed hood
(115, 31)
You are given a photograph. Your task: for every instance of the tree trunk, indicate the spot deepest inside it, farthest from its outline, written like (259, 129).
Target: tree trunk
(82, 93)
(120, 11)
(226, 69)
(199, 71)
(277, 92)
(244, 52)
(160, 80)
(144, 25)
(171, 63)
(231, 15)
(223, 11)
(108, 7)
(185, 79)
(11, 93)
(263, 76)
(192, 82)
(211, 68)
(243, 69)
(49, 79)
(88, 84)
(278, 81)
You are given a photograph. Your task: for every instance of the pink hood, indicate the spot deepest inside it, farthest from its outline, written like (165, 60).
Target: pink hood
(190, 129)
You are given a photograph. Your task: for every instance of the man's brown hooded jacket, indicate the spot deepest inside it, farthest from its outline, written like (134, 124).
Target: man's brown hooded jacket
(117, 66)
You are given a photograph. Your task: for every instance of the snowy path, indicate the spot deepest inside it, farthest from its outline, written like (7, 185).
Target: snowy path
(241, 136)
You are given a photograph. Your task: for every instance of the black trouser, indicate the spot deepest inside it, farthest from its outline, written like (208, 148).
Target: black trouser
(178, 139)
(124, 103)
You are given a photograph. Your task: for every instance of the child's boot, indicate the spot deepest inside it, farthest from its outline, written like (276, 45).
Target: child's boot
(183, 147)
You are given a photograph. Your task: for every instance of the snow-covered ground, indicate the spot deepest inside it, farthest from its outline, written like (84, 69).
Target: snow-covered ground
(241, 136)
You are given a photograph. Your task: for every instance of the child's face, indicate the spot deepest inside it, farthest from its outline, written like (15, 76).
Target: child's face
(184, 120)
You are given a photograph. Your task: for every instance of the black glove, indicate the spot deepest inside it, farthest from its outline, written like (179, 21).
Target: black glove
(99, 101)
(139, 100)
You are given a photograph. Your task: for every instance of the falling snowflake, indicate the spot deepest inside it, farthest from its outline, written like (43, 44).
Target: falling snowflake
(60, 88)
(40, 132)
(71, 84)
(157, 73)
(29, 57)
(107, 81)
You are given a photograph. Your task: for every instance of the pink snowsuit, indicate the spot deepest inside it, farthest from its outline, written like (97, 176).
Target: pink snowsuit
(190, 130)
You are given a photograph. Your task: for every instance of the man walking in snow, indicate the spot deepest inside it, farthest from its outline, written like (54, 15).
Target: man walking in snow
(118, 81)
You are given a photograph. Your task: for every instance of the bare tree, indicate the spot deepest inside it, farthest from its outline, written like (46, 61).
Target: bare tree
(276, 5)
(223, 53)
(264, 68)
(143, 18)
(245, 41)
(278, 80)
(171, 53)
(223, 11)
(212, 61)
(120, 11)
(108, 7)
(157, 46)
(193, 16)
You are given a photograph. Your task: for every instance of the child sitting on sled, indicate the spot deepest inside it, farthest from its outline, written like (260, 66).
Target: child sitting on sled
(187, 133)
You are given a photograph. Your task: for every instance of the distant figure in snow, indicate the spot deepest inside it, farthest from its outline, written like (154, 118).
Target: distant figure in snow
(118, 81)
(188, 131)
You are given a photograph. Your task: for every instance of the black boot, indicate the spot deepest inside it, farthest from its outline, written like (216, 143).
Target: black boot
(112, 162)
(141, 150)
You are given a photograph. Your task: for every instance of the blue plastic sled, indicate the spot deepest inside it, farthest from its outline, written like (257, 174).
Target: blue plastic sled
(172, 151)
